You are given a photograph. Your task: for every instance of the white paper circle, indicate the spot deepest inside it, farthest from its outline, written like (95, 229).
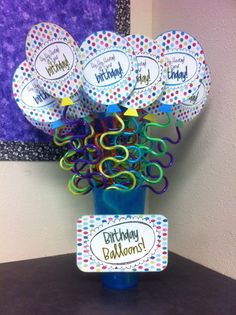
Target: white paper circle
(78, 109)
(90, 104)
(109, 68)
(39, 106)
(186, 66)
(54, 59)
(194, 105)
(154, 108)
(151, 77)
(32, 100)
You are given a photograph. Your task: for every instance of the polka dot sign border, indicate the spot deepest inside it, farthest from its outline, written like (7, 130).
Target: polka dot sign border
(156, 260)
(39, 38)
(94, 47)
(154, 55)
(174, 42)
(193, 106)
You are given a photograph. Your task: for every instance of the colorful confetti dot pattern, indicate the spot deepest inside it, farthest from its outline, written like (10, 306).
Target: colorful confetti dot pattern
(41, 36)
(149, 50)
(100, 43)
(88, 226)
(79, 109)
(180, 42)
(154, 108)
(90, 104)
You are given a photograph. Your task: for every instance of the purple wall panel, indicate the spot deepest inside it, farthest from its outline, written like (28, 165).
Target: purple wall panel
(79, 17)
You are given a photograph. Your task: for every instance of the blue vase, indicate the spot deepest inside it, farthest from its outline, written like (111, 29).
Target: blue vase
(119, 202)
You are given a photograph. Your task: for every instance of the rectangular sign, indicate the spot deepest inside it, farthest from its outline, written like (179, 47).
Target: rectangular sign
(127, 243)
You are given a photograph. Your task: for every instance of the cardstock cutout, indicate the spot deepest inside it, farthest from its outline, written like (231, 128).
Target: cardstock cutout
(40, 108)
(165, 108)
(32, 100)
(131, 112)
(154, 108)
(90, 104)
(152, 72)
(186, 66)
(78, 109)
(67, 101)
(58, 124)
(54, 59)
(122, 243)
(109, 68)
(113, 109)
(194, 105)
(150, 117)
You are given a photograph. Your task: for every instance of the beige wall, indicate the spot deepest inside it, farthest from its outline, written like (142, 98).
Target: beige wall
(38, 214)
(201, 201)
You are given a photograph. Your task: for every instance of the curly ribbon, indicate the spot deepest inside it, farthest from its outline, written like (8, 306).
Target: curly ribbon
(112, 153)
(70, 122)
(153, 179)
(162, 164)
(179, 137)
(144, 127)
(74, 187)
(61, 140)
(161, 191)
(113, 159)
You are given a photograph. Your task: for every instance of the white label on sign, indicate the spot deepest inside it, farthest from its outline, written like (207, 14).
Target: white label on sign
(107, 68)
(122, 243)
(148, 72)
(182, 68)
(55, 61)
(33, 96)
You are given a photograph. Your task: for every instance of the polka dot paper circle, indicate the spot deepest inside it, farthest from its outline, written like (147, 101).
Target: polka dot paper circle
(154, 108)
(194, 105)
(90, 104)
(109, 68)
(32, 100)
(186, 66)
(78, 109)
(54, 59)
(151, 77)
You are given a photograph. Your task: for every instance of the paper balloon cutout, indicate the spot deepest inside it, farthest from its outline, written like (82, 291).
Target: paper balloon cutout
(154, 108)
(186, 66)
(194, 105)
(109, 68)
(90, 104)
(78, 109)
(40, 108)
(54, 59)
(152, 70)
(32, 100)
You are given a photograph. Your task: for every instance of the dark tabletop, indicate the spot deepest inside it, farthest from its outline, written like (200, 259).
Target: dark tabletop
(55, 286)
